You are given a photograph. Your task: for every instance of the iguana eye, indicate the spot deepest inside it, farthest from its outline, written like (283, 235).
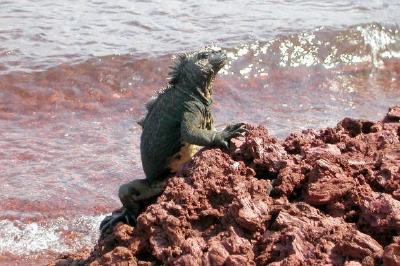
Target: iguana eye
(203, 55)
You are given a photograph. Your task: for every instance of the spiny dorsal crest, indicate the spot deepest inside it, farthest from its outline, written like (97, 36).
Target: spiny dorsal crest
(153, 99)
(177, 67)
(150, 103)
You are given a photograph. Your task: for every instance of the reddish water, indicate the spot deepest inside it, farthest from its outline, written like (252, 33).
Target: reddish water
(74, 79)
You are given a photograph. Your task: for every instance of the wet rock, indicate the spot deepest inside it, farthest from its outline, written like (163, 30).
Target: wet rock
(393, 115)
(355, 127)
(319, 197)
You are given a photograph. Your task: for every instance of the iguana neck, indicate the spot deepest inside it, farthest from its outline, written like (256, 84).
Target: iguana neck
(197, 92)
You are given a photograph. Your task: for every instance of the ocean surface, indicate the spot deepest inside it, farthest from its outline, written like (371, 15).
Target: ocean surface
(74, 77)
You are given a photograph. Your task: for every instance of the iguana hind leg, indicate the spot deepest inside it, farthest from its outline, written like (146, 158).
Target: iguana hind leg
(135, 197)
(133, 193)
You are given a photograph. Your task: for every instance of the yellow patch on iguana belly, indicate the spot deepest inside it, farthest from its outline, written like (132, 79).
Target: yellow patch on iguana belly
(182, 156)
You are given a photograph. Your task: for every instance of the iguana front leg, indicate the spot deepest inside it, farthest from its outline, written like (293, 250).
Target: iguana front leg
(191, 131)
(231, 131)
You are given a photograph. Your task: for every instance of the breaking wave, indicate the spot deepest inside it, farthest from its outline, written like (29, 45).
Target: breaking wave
(115, 81)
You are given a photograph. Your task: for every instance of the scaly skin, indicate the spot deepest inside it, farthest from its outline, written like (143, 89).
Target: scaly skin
(178, 122)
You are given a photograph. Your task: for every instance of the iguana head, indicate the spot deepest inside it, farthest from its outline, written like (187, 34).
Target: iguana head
(197, 70)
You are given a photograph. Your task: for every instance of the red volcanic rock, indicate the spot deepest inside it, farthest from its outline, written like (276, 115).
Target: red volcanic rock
(393, 114)
(391, 257)
(265, 152)
(302, 235)
(288, 179)
(202, 217)
(328, 179)
(334, 201)
(379, 213)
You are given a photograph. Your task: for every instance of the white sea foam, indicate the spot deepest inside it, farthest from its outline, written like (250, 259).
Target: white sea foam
(379, 39)
(20, 238)
(369, 43)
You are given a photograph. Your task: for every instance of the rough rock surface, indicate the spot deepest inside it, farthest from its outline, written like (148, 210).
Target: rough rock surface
(327, 197)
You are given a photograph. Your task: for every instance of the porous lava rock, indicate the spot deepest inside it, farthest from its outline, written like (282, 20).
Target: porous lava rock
(319, 197)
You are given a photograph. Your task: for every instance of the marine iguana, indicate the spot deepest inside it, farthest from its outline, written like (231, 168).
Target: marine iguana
(177, 123)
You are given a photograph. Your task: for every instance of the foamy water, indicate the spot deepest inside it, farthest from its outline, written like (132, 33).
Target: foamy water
(58, 235)
(74, 78)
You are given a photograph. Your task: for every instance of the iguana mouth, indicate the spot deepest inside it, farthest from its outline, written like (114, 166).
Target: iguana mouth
(218, 60)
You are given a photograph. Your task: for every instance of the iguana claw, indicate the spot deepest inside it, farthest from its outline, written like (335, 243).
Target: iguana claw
(222, 138)
(111, 220)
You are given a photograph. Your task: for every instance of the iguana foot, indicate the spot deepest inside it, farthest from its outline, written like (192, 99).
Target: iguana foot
(110, 221)
(222, 138)
(233, 127)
